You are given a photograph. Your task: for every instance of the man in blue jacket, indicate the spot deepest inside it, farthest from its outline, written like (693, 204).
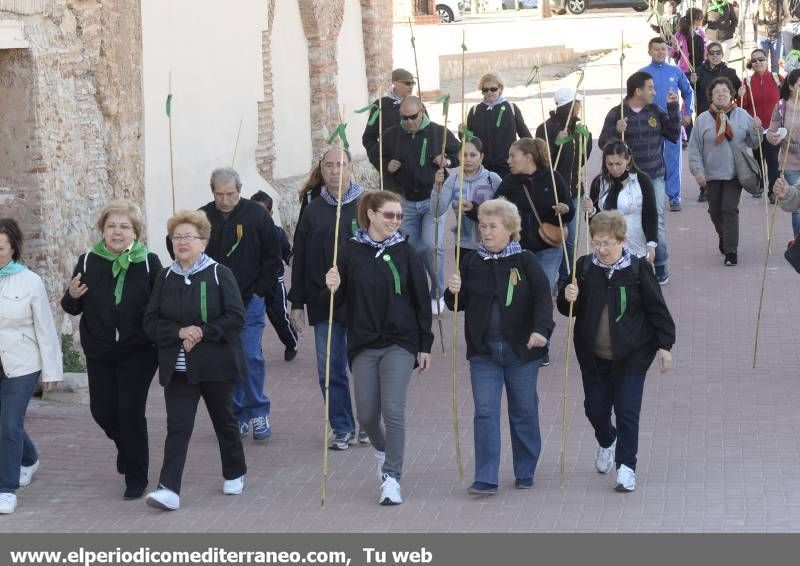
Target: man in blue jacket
(669, 78)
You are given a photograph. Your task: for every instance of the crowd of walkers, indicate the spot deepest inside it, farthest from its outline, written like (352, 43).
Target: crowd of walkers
(198, 322)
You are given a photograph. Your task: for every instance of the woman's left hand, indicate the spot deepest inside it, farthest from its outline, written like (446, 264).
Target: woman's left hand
(561, 209)
(536, 341)
(424, 361)
(664, 360)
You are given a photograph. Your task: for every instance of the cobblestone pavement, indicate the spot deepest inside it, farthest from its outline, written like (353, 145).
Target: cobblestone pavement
(718, 451)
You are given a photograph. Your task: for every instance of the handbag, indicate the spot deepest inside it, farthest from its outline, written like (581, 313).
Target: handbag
(792, 253)
(748, 172)
(550, 234)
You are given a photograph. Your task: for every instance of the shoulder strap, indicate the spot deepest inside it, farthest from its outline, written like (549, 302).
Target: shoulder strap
(85, 260)
(533, 206)
(512, 106)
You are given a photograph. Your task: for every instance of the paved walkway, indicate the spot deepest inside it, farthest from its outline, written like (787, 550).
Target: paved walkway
(719, 448)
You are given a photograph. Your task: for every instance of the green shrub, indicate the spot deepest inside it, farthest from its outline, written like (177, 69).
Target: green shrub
(72, 358)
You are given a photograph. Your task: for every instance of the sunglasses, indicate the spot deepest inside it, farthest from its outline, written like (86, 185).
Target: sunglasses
(715, 52)
(758, 59)
(486, 89)
(410, 116)
(391, 215)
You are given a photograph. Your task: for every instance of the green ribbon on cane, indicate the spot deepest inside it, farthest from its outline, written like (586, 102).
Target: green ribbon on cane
(445, 100)
(513, 279)
(395, 274)
(373, 117)
(532, 75)
(339, 132)
(580, 130)
(468, 134)
(717, 6)
(423, 154)
(169, 105)
(623, 303)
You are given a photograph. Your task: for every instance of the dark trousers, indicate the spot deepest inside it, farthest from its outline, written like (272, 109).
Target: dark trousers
(181, 399)
(723, 208)
(624, 395)
(278, 315)
(771, 161)
(118, 390)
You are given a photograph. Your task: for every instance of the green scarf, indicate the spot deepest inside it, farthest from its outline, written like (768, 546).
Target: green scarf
(424, 124)
(137, 253)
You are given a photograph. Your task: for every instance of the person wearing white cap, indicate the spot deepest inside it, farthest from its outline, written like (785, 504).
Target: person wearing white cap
(497, 122)
(562, 126)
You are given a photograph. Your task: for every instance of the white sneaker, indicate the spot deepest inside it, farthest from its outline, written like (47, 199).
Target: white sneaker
(626, 479)
(8, 502)
(381, 458)
(390, 491)
(164, 499)
(26, 473)
(605, 458)
(233, 487)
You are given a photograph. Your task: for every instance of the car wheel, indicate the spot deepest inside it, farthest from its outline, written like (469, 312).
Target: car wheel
(445, 14)
(640, 8)
(576, 6)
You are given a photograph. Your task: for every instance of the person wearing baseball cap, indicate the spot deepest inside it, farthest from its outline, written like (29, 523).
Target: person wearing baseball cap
(561, 125)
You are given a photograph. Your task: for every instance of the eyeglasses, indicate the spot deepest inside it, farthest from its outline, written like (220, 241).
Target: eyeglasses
(715, 52)
(185, 238)
(604, 245)
(408, 83)
(410, 116)
(391, 215)
(758, 59)
(486, 89)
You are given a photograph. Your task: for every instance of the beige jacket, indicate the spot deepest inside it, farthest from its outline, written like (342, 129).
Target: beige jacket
(28, 338)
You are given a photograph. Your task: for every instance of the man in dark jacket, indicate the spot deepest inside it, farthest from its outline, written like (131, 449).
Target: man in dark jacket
(411, 156)
(643, 126)
(721, 21)
(243, 238)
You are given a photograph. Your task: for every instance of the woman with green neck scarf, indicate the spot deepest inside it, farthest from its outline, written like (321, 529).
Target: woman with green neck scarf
(29, 349)
(110, 287)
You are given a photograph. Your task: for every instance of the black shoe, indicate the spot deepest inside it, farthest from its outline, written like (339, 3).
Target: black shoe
(523, 483)
(120, 463)
(721, 249)
(289, 354)
(132, 493)
(545, 360)
(702, 197)
(730, 259)
(482, 488)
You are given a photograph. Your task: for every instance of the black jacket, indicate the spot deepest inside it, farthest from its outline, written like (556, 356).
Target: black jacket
(415, 152)
(377, 317)
(720, 27)
(568, 161)
(312, 194)
(256, 261)
(531, 308)
(497, 138)
(390, 116)
(649, 209)
(174, 305)
(313, 256)
(102, 319)
(540, 189)
(705, 74)
(640, 324)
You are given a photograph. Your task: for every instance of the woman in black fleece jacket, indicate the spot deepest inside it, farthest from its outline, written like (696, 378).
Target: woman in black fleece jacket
(509, 317)
(382, 280)
(110, 288)
(621, 322)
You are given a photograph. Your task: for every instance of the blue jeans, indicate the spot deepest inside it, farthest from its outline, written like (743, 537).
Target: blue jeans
(672, 163)
(792, 177)
(550, 260)
(340, 410)
(662, 254)
(488, 374)
(624, 395)
(773, 47)
(418, 224)
(16, 447)
(563, 273)
(249, 399)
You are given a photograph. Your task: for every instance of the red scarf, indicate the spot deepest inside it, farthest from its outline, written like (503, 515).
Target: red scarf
(724, 130)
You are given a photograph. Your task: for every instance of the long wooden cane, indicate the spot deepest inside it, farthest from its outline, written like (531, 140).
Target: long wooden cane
(416, 64)
(622, 77)
(569, 114)
(445, 100)
(552, 171)
(380, 133)
(340, 131)
(772, 226)
(171, 151)
(454, 336)
(236, 145)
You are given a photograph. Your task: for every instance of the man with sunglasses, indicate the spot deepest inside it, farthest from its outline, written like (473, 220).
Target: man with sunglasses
(402, 85)
(411, 158)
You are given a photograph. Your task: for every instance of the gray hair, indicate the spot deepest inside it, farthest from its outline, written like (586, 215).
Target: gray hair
(224, 175)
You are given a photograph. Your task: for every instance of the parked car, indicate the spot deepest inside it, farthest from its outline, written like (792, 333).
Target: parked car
(450, 10)
(580, 6)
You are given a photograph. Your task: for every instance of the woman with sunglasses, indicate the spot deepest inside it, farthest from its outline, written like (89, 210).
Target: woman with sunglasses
(622, 186)
(382, 280)
(497, 122)
(759, 95)
(785, 119)
(621, 324)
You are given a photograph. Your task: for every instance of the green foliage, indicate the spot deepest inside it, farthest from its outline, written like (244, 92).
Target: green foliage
(72, 358)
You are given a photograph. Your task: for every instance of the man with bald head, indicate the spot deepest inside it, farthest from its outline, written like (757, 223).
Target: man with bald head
(411, 158)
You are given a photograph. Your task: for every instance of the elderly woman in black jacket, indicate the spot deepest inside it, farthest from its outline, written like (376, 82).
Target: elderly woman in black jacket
(509, 317)
(195, 316)
(110, 288)
(621, 323)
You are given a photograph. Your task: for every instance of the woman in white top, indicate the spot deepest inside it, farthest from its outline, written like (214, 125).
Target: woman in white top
(29, 348)
(622, 186)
